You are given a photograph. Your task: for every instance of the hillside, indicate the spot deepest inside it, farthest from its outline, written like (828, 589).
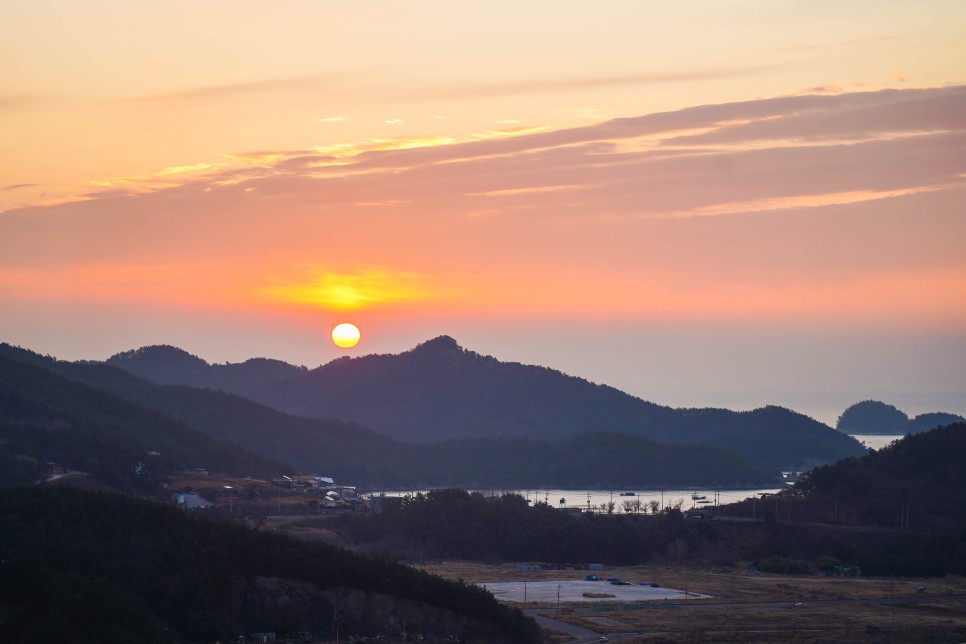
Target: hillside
(440, 391)
(916, 482)
(352, 453)
(80, 566)
(47, 418)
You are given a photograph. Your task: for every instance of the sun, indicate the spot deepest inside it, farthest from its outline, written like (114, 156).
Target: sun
(346, 335)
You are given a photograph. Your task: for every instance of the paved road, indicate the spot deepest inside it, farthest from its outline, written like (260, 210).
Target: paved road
(581, 635)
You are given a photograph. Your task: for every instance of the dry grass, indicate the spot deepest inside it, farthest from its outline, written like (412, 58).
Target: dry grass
(741, 608)
(738, 612)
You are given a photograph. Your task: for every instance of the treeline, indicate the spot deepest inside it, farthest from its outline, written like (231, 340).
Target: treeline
(84, 566)
(457, 524)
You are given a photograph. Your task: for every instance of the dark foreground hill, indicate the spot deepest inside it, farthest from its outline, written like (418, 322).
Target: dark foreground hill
(80, 566)
(352, 453)
(440, 391)
(45, 418)
(917, 482)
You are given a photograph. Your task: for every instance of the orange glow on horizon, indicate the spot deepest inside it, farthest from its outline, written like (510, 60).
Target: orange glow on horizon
(351, 291)
(937, 295)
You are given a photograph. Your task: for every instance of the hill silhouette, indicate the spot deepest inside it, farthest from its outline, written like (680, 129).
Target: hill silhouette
(916, 482)
(440, 391)
(45, 418)
(876, 417)
(352, 453)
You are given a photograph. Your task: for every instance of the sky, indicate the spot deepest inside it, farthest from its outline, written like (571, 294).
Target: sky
(730, 203)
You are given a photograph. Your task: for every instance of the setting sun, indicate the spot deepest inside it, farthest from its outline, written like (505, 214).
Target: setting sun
(345, 335)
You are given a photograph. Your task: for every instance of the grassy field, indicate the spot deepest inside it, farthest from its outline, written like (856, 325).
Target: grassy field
(760, 607)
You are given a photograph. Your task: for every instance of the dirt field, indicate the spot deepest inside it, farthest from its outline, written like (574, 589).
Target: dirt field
(752, 608)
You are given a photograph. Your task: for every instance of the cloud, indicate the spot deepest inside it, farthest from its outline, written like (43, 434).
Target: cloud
(549, 85)
(23, 101)
(334, 119)
(591, 113)
(229, 90)
(17, 186)
(822, 89)
(847, 116)
(672, 212)
(163, 178)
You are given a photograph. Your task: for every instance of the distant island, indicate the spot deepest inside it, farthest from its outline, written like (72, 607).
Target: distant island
(876, 417)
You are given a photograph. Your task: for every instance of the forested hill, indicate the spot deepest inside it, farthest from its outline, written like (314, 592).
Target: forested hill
(918, 482)
(439, 391)
(355, 454)
(47, 418)
(80, 566)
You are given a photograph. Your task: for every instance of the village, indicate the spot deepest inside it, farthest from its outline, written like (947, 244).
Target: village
(255, 500)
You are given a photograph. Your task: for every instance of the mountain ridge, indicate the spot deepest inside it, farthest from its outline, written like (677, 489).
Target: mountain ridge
(350, 452)
(440, 391)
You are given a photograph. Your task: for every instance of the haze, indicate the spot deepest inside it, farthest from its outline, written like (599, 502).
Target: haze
(728, 204)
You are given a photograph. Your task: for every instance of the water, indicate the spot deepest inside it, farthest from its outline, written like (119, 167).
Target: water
(875, 441)
(593, 499)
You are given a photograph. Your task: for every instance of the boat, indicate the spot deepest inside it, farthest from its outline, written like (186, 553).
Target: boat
(628, 493)
(698, 497)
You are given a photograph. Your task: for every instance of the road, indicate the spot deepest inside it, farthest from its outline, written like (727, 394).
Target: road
(581, 635)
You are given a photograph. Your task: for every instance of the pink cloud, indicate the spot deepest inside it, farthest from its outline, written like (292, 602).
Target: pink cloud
(739, 208)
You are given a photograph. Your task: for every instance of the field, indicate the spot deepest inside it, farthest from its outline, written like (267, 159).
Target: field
(750, 608)
(738, 607)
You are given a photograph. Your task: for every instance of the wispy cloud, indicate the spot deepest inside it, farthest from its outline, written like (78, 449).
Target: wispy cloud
(547, 85)
(163, 178)
(17, 186)
(228, 90)
(822, 89)
(13, 102)
(814, 191)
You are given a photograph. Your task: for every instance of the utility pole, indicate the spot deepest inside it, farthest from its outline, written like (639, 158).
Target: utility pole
(558, 598)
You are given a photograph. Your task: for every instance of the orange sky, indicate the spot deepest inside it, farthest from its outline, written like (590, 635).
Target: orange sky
(235, 178)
